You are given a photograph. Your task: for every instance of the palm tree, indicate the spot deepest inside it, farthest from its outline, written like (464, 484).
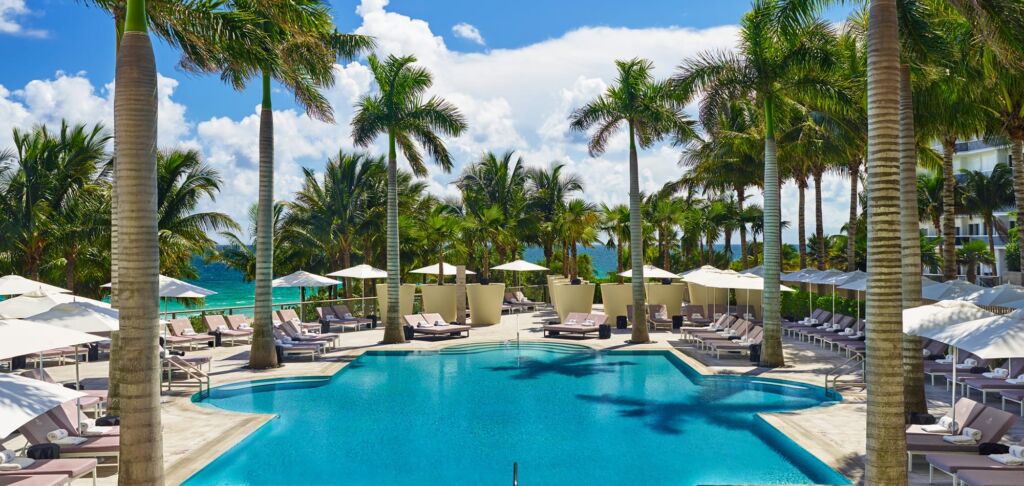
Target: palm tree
(329, 213)
(650, 112)
(929, 199)
(972, 254)
(398, 110)
(984, 195)
(500, 181)
(886, 441)
(239, 254)
(442, 227)
(615, 224)
(300, 48)
(135, 123)
(579, 226)
(549, 189)
(183, 181)
(782, 56)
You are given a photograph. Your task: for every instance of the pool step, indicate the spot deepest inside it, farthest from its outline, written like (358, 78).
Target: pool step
(475, 348)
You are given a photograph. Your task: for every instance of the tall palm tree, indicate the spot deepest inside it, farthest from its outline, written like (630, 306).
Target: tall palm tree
(886, 442)
(549, 189)
(500, 181)
(782, 56)
(397, 109)
(135, 125)
(301, 45)
(442, 227)
(985, 194)
(615, 224)
(650, 112)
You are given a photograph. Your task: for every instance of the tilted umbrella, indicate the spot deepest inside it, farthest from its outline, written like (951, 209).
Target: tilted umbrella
(998, 296)
(20, 338)
(17, 285)
(80, 316)
(436, 269)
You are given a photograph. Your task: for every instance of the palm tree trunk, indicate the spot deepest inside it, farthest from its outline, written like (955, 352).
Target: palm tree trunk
(1017, 152)
(69, 270)
(886, 439)
(135, 122)
(989, 227)
(636, 249)
(440, 267)
(851, 225)
(263, 354)
(618, 261)
(565, 259)
(910, 234)
(346, 258)
(575, 262)
(972, 275)
(392, 327)
(771, 353)
(819, 225)
(743, 228)
(548, 253)
(801, 223)
(949, 270)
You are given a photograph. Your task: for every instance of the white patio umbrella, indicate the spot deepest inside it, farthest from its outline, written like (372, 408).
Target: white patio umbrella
(302, 279)
(361, 272)
(80, 316)
(801, 275)
(990, 337)
(519, 266)
(23, 399)
(651, 271)
(998, 296)
(957, 290)
(20, 338)
(37, 301)
(436, 268)
(758, 270)
(17, 285)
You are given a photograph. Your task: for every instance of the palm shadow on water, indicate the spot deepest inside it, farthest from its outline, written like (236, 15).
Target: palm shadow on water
(575, 365)
(670, 417)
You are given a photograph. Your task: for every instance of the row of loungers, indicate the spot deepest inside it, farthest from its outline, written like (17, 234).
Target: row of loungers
(695, 314)
(517, 301)
(433, 324)
(340, 317)
(576, 323)
(838, 332)
(960, 458)
(728, 334)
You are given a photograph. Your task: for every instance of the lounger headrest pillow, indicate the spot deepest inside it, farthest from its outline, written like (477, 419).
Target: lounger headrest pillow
(348, 315)
(438, 323)
(971, 361)
(188, 332)
(1017, 451)
(925, 353)
(7, 456)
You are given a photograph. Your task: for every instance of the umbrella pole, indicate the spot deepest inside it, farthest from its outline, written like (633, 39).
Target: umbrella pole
(833, 304)
(952, 400)
(78, 379)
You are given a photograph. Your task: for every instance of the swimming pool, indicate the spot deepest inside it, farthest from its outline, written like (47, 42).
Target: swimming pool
(565, 413)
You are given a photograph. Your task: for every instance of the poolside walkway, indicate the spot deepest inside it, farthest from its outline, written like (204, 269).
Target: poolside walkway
(194, 435)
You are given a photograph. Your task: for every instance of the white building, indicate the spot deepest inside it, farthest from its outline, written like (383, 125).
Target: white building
(980, 156)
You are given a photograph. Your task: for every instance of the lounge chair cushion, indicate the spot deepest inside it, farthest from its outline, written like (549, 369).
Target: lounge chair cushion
(989, 477)
(70, 467)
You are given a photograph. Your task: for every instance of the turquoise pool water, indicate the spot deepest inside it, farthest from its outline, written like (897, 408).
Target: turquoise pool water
(566, 414)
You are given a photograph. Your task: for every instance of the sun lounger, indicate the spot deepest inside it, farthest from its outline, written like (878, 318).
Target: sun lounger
(991, 422)
(966, 410)
(576, 323)
(94, 447)
(35, 480)
(986, 385)
(988, 477)
(737, 329)
(434, 325)
(1013, 397)
(686, 332)
(740, 346)
(290, 329)
(289, 315)
(67, 416)
(93, 399)
(952, 464)
(819, 315)
(344, 318)
(238, 322)
(695, 315)
(182, 333)
(73, 468)
(217, 323)
(525, 302)
(935, 369)
(933, 349)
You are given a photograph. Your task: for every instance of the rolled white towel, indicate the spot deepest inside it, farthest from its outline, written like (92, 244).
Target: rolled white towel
(1008, 459)
(945, 424)
(438, 323)
(348, 315)
(925, 353)
(696, 315)
(7, 456)
(86, 424)
(55, 435)
(964, 366)
(974, 434)
(589, 322)
(997, 373)
(959, 439)
(96, 431)
(17, 464)
(971, 362)
(244, 326)
(1017, 451)
(188, 332)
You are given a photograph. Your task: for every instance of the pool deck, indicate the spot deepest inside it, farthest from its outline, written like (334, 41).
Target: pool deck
(194, 435)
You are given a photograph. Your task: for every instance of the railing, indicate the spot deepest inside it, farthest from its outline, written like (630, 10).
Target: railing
(846, 367)
(192, 372)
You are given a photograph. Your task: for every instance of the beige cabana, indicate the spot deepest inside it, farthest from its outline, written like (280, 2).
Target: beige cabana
(552, 280)
(615, 297)
(748, 287)
(485, 303)
(671, 296)
(440, 299)
(572, 298)
(406, 294)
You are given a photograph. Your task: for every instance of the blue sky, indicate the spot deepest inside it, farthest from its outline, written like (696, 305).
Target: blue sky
(515, 68)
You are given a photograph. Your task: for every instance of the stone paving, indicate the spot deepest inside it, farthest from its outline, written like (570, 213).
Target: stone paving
(195, 435)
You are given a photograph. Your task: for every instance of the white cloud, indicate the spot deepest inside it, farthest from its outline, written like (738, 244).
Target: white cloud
(468, 32)
(10, 12)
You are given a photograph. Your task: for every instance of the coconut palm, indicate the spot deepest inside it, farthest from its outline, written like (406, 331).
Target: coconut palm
(985, 194)
(886, 442)
(650, 111)
(442, 227)
(239, 254)
(301, 45)
(183, 182)
(971, 254)
(579, 221)
(929, 199)
(783, 56)
(135, 105)
(549, 189)
(500, 181)
(397, 109)
(615, 224)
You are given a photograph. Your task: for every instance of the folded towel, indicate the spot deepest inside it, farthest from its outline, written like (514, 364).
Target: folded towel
(936, 429)
(1014, 381)
(944, 361)
(69, 441)
(55, 435)
(244, 326)
(971, 362)
(17, 464)
(348, 315)
(6, 456)
(974, 434)
(925, 353)
(959, 439)
(997, 373)
(748, 316)
(589, 322)
(1008, 459)
(696, 315)
(438, 323)
(1017, 451)
(188, 332)
(964, 366)
(944, 425)
(96, 431)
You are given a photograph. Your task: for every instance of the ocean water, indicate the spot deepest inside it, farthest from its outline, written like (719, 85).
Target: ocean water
(232, 290)
(566, 415)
